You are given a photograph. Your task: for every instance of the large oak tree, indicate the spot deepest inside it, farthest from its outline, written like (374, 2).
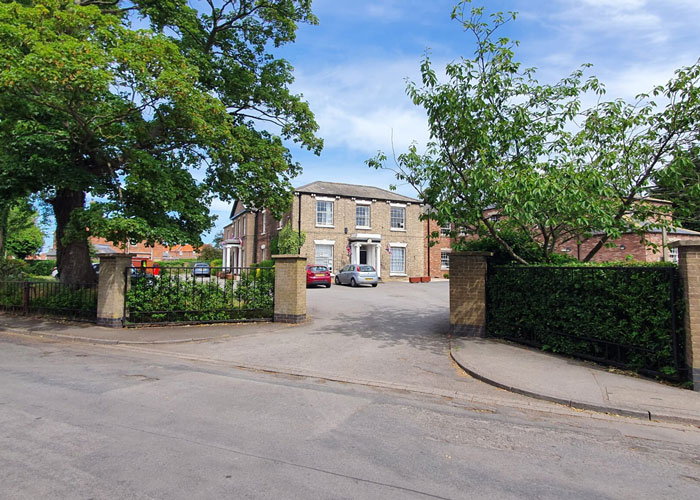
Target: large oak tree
(128, 117)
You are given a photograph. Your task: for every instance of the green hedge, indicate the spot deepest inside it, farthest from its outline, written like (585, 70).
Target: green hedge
(166, 299)
(575, 310)
(39, 267)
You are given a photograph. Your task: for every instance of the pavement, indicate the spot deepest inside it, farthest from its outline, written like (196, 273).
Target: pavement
(89, 332)
(394, 336)
(573, 383)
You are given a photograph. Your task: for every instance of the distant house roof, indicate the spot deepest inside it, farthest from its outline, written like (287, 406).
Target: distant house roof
(353, 191)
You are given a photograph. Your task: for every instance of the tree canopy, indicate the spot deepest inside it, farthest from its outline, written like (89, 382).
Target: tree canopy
(128, 117)
(554, 171)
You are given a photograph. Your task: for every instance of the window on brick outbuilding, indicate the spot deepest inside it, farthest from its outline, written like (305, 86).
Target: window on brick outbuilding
(444, 259)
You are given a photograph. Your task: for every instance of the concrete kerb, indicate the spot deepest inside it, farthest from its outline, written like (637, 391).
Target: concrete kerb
(571, 403)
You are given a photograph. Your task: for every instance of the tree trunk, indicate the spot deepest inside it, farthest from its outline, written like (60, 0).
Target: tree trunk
(72, 256)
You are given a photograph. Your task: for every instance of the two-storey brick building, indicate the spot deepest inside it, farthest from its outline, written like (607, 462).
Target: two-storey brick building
(344, 224)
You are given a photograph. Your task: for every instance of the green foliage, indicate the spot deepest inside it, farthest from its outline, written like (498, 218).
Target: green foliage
(39, 267)
(217, 262)
(289, 241)
(265, 264)
(51, 298)
(75, 301)
(23, 236)
(562, 309)
(520, 242)
(554, 171)
(208, 253)
(151, 123)
(682, 187)
(178, 298)
(11, 270)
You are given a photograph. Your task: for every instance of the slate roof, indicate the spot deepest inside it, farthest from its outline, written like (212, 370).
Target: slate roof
(353, 191)
(237, 209)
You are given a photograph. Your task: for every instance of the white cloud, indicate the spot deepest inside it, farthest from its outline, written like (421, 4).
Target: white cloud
(360, 105)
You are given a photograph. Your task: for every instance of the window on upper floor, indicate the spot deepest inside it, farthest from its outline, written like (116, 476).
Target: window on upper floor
(362, 216)
(398, 218)
(445, 230)
(264, 222)
(324, 213)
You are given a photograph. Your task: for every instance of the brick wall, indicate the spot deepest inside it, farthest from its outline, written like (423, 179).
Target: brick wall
(468, 293)
(433, 254)
(689, 269)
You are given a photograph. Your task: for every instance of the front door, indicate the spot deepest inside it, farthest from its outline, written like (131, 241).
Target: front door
(363, 255)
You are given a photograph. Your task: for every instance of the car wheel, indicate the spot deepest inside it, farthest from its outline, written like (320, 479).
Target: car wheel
(337, 280)
(328, 285)
(374, 284)
(353, 283)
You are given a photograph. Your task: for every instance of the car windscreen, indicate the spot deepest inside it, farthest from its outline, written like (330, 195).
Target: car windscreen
(318, 269)
(366, 269)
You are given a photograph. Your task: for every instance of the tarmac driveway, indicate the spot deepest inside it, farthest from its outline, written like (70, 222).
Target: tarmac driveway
(395, 335)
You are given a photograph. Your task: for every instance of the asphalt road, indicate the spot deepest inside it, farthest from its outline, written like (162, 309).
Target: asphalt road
(96, 422)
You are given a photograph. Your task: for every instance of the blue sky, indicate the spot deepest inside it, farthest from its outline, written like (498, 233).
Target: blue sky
(352, 66)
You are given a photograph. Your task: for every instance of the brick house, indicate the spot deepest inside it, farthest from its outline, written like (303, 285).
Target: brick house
(156, 252)
(629, 244)
(247, 238)
(344, 224)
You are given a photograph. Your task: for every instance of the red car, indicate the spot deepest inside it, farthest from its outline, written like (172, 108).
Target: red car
(318, 275)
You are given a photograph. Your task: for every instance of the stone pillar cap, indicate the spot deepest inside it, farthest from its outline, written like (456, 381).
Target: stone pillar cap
(473, 254)
(695, 242)
(287, 256)
(115, 254)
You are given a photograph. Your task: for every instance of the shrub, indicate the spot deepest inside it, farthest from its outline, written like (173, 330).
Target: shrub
(169, 299)
(575, 310)
(12, 270)
(39, 267)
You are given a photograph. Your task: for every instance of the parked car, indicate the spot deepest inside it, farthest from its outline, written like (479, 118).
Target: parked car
(201, 269)
(357, 274)
(318, 275)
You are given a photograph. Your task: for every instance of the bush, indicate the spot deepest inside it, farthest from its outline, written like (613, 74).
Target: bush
(12, 270)
(575, 310)
(518, 241)
(170, 299)
(39, 267)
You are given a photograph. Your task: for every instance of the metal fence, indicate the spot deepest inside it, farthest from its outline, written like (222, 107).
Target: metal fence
(76, 302)
(166, 295)
(629, 317)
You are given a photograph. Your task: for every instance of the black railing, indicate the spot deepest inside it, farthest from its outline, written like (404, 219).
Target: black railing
(165, 295)
(629, 317)
(77, 302)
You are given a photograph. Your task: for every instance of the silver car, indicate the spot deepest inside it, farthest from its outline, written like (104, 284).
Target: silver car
(357, 274)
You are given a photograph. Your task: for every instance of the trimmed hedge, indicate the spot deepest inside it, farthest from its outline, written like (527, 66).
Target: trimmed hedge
(39, 267)
(616, 314)
(166, 299)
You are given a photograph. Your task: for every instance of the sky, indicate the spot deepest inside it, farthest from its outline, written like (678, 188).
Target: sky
(352, 67)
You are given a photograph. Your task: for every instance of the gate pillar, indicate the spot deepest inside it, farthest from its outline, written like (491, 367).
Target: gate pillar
(689, 270)
(111, 289)
(468, 293)
(290, 288)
